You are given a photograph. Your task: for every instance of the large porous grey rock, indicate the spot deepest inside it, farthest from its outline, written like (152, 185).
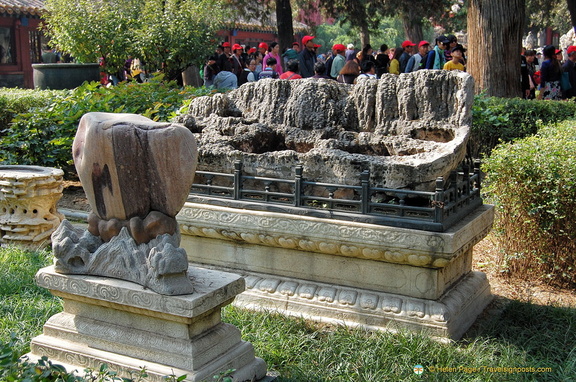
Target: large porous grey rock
(407, 129)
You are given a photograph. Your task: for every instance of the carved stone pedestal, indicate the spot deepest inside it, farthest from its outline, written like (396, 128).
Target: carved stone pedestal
(28, 197)
(345, 272)
(128, 327)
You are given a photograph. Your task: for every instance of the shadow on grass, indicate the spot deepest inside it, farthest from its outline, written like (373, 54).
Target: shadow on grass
(545, 335)
(521, 335)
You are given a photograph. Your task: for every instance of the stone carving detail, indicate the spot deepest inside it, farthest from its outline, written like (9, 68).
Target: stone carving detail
(28, 197)
(370, 302)
(323, 237)
(282, 232)
(158, 264)
(131, 170)
(407, 130)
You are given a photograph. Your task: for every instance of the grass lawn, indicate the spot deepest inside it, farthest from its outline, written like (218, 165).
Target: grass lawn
(503, 346)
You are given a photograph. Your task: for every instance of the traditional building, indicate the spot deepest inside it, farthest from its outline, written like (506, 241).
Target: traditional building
(20, 41)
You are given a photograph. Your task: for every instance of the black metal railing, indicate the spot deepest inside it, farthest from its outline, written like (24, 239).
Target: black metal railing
(436, 211)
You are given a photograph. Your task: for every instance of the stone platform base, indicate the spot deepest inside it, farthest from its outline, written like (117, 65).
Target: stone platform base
(447, 318)
(128, 327)
(348, 272)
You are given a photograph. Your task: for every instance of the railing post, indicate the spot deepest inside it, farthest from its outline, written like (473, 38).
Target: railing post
(477, 164)
(365, 197)
(331, 191)
(453, 184)
(439, 200)
(466, 187)
(298, 185)
(237, 179)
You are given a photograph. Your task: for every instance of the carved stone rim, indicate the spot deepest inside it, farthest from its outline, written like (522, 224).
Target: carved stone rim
(437, 313)
(211, 287)
(28, 172)
(340, 238)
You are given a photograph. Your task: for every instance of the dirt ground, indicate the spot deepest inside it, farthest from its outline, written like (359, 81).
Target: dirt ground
(503, 287)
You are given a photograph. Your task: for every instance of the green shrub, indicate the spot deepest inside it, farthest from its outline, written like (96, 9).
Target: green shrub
(532, 183)
(14, 101)
(496, 120)
(43, 135)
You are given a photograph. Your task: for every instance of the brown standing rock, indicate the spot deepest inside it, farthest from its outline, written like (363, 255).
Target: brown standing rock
(131, 166)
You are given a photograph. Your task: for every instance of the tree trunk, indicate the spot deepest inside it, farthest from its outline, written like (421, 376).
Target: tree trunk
(494, 42)
(364, 35)
(191, 77)
(572, 10)
(284, 23)
(412, 27)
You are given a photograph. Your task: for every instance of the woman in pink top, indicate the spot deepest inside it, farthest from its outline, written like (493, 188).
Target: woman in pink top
(274, 52)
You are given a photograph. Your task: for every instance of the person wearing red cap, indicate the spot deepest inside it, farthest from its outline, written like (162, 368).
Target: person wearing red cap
(570, 67)
(237, 61)
(224, 62)
(296, 46)
(263, 48)
(339, 60)
(307, 57)
(408, 47)
(418, 60)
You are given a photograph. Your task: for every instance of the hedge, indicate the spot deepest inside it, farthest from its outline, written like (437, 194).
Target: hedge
(496, 120)
(15, 101)
(43, 135)
(532, 183)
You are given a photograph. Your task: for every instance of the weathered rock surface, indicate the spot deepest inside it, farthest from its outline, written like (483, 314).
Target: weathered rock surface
(130, 165)
(28, 197)
(136, 173)
(159, 264)
(407, 130)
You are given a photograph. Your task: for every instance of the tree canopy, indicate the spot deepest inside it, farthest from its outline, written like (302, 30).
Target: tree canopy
(366, 15)
(169, 35)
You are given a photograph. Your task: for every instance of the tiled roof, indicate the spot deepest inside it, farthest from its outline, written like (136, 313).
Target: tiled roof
(21, 7)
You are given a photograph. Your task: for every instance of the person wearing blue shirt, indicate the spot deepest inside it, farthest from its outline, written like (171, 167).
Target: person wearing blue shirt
(436, 58)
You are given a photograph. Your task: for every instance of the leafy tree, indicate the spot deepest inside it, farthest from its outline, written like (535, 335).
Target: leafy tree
(363, 15)
(92, 30)
(174, 34)
(542, 14)
(390, 32)
(262, 10)
(169, 35)
(367, 14)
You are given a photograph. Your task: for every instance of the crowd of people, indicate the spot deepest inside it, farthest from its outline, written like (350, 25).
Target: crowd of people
(233, 65)
(549, 77)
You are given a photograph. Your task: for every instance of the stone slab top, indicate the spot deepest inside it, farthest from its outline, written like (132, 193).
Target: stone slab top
(28, 172)
(212, 288)
(338, 237)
